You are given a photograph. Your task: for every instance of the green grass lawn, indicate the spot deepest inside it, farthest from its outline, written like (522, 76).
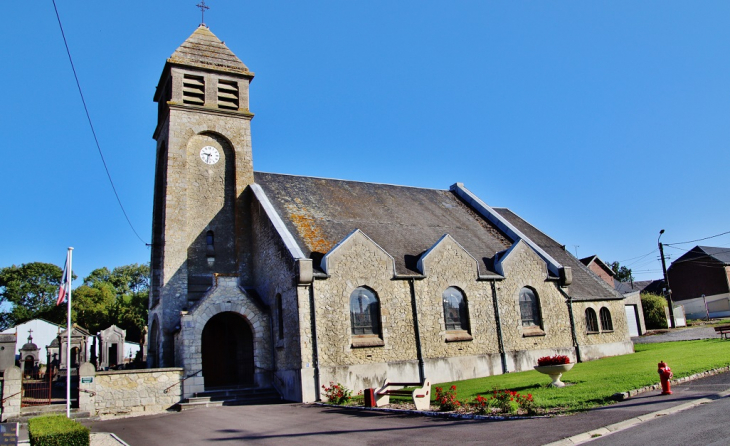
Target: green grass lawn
(594, 382)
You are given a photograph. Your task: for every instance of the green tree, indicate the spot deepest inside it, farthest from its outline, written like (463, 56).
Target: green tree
(118, 297)
(654, 315)
(621, 273)
(92, 306)
(31, 289)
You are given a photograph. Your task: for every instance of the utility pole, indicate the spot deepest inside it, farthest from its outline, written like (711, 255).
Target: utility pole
(667, 290)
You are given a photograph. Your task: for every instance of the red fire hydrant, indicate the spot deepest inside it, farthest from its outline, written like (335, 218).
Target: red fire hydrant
(665, 374)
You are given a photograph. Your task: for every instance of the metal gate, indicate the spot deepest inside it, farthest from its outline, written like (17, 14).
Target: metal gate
(37, 387)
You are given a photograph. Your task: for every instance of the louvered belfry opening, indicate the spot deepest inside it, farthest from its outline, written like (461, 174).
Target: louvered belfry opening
(193, 89)
(227, 94)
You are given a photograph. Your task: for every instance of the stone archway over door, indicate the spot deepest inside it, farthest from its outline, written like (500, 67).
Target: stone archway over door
(227, 344)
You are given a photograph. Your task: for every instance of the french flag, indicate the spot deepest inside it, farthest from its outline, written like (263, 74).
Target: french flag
(65, 284)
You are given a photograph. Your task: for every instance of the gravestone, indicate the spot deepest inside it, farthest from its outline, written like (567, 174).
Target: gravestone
(112, 347)
(7, 350)
(29, 357)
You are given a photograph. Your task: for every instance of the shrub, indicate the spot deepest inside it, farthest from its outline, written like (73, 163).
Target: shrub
(553, 360)
(654, 315)
(337, 393)
(446, 399)
(509, 401)
(505, 401)
(482, 405)
(527, 403)
(57, 430)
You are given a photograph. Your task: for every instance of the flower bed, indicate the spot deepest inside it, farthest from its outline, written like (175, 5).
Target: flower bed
(499, 402)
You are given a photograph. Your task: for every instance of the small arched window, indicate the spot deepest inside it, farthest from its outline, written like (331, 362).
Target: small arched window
(591, 321)
(456, 315)
(606, 321)
(210, 240)
(529, 308)
(364, 312)
(280, 316)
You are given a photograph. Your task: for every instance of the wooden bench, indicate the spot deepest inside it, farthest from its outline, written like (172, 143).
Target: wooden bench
(421, 395)
(723, 330)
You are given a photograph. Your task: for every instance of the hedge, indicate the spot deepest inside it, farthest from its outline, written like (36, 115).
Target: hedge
(654, 315)
(57, 430)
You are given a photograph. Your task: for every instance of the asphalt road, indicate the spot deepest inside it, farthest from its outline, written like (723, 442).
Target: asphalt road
(707, 424)
(313, 424)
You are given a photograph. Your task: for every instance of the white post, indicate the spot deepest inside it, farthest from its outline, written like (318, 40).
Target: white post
(68, 338)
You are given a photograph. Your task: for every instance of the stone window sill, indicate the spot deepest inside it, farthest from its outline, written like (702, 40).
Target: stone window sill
(607, 331)
(458, 336)
(367, 341)
(593, 332)
(528, 332)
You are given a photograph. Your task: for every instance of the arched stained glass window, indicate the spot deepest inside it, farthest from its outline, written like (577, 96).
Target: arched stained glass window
(529, 308)
(364, 312)
(591, 321)
(606, 321)
(456, 315)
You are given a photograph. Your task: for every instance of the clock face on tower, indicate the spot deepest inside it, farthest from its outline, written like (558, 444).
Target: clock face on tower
(209, 155)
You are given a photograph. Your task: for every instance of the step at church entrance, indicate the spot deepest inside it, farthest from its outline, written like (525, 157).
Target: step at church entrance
(227, 349)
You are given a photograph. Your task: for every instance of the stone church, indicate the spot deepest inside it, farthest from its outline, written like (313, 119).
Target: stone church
(284, 281)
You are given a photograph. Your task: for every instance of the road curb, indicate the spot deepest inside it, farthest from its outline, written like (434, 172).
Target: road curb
(626, 395)
(631, 422)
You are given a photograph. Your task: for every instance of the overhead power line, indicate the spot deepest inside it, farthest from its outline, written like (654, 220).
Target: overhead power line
(698, 240)
(93, 132)
(639, 258)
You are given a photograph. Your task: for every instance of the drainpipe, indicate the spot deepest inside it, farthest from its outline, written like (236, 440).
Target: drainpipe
(572, 326)
(273, 349)
(498, 320)
(417, 331)
(315, 356)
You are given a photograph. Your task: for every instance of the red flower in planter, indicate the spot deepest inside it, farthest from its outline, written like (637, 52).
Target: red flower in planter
(553, 360)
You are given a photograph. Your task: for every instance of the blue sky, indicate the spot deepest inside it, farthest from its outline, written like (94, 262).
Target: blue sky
(599, 122)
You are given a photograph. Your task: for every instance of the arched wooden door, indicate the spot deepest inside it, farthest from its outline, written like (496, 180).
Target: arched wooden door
(227, 344)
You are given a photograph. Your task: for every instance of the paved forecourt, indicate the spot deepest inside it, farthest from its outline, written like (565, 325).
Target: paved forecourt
(304, 423)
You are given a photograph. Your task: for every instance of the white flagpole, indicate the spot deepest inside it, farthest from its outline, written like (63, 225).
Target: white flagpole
(68, 336)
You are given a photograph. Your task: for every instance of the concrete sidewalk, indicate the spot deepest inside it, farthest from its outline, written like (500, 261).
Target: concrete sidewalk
(678, 334)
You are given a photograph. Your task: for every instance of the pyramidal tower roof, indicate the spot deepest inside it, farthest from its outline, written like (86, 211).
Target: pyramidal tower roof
(203, 49)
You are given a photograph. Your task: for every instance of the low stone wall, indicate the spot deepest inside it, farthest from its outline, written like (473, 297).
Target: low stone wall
(11, 385)
(129, 392)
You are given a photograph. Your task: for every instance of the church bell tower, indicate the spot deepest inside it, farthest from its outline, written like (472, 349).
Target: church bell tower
(204, 164)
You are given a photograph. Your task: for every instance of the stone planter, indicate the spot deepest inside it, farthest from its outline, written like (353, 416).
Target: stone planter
(555, 372)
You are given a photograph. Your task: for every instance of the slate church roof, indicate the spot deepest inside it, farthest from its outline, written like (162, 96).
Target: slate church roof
(586, 285)
(406, 222)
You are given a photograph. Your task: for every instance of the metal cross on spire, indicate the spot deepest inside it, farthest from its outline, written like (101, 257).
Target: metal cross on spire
(202, 7)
